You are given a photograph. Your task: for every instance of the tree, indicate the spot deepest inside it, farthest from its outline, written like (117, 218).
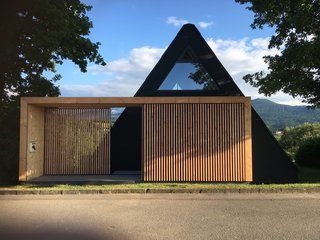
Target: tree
(296, 69)
(37, 35)
(292, 138)
(308, 153)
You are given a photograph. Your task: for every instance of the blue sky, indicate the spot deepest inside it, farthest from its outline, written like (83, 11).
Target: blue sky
(134, 33)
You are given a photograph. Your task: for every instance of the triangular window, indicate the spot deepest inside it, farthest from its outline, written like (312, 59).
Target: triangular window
(188, 74)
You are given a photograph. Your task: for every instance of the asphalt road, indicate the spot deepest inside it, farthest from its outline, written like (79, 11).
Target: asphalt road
(161, 216)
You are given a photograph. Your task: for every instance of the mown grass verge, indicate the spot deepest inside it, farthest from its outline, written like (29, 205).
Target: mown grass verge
(163, 186)
(308, 178)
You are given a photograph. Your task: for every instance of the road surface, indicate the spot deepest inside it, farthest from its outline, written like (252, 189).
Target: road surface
(161, 216)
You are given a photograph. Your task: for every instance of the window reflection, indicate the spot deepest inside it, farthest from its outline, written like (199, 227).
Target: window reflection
(187, 74)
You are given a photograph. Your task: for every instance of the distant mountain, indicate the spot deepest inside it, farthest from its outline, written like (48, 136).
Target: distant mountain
(277, 116)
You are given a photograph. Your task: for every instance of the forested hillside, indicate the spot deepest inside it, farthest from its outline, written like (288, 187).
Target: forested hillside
(278, 116)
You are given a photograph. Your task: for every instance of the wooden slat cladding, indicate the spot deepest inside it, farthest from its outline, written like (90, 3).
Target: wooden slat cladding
(197, 142)
(77, 141)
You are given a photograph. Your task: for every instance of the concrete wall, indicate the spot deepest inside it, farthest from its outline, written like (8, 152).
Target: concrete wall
(35, 158)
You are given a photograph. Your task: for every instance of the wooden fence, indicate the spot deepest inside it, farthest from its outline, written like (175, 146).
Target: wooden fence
(77, 141)
(197, 142)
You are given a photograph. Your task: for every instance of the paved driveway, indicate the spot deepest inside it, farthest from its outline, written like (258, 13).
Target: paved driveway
(161, 216)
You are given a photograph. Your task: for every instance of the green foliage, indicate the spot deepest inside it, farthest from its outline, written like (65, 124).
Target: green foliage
(308, 154)
(278, 116)
(41, 34)
(309, 175)
(296, 69)
(293, 138)
(36, 35)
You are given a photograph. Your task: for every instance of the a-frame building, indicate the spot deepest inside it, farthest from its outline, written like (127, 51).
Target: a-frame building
(190, 54)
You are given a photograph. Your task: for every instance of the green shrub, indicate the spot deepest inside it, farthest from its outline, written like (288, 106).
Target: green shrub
(292, 138)
(308, 154)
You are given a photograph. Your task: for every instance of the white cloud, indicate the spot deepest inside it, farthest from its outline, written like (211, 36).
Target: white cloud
(244, 56)
(261, 43)
(205, 25)
(175, 21)
(179, 22)
(241, 56)
(123, 77)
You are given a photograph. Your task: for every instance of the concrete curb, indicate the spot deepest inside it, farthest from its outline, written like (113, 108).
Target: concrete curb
(160, 190)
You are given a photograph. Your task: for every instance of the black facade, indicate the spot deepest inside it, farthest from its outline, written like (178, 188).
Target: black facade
(270, 162)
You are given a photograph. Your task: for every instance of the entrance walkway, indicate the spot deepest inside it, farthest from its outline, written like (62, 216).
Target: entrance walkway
(116, 178)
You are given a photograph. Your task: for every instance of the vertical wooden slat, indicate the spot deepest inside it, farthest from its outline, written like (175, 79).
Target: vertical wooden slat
(166, 142)
(187, 140)
(227, 141)
(182, 145)
(184, 142)
(218, 146)
(144, 138)
(205, 142)
(211, 148)
(94, 131)
(154, 150)
(101, 137)
(150, 137)
(48, 135)
(241, 145)
(96, 140)
(232, 141)
(103, 163)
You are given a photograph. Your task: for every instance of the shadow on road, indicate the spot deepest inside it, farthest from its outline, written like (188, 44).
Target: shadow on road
(18, 233)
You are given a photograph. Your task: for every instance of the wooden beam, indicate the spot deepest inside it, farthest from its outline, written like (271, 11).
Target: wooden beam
(23, 139)
(125, 101)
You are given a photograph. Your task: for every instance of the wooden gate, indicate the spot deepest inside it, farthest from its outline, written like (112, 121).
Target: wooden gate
(197, 142)
(77, 141)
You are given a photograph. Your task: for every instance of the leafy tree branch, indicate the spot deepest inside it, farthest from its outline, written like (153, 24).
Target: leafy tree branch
(296, 70)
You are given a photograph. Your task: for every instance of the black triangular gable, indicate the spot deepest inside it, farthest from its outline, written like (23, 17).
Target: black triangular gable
(189, 38)
(269, 162)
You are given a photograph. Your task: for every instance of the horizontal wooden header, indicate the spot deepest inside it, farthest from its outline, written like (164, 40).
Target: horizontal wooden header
(125, 101)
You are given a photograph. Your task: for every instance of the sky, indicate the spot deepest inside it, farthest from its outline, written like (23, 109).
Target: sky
(135, 33)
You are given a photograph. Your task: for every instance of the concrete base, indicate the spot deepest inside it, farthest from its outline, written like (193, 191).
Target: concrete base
(88, 179)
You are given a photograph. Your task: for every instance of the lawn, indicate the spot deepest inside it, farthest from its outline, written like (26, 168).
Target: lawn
(308, 178)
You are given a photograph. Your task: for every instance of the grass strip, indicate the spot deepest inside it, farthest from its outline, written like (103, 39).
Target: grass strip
(162, 186)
